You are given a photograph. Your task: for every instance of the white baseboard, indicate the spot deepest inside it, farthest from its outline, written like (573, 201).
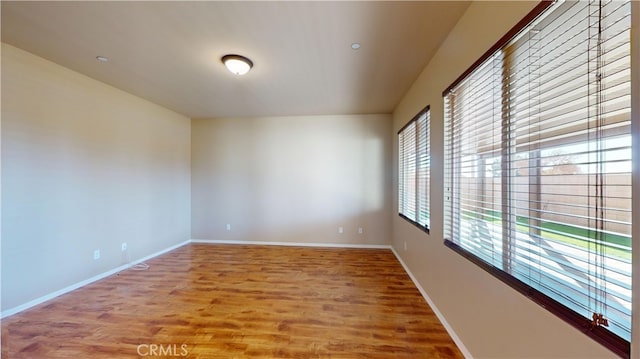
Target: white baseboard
(441, 317)
(293, 244)
(75, 286)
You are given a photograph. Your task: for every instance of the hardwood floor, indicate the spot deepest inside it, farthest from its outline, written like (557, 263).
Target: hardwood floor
(235, 301)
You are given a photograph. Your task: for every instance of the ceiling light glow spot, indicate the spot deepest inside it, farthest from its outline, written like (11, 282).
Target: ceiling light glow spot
(237, 64)
(355, 45)
(102, 58)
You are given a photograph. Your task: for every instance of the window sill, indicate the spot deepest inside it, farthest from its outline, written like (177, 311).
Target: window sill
(422, 227)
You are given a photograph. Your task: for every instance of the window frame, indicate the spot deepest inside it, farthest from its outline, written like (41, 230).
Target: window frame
(427, 152)
(618, 345)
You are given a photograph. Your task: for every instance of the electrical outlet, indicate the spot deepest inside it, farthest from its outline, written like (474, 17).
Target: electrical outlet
(228, 227)
(360, 230)
(124, 246)
(96, 254)
(340, 230)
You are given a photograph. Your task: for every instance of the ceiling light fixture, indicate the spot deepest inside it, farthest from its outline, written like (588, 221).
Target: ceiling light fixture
(355, 45)
(102, 58)
(238, 65)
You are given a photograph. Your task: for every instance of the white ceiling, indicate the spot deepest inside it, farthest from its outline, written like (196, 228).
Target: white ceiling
(169, 52)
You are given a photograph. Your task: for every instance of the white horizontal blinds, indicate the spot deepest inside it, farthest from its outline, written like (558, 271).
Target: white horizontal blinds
(566, 153)
(570, 144)
(407, 170)
(414, 170)
(560, 45)
(401, 176)
(473, 122)
(609, 167)
(451, 215)
(423, 168)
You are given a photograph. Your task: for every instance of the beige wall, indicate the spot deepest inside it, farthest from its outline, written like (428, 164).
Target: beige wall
(84, 166)
(491, 319)
(292, 179)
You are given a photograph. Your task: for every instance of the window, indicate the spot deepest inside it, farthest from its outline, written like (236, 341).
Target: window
(538, 164)
(413, 170)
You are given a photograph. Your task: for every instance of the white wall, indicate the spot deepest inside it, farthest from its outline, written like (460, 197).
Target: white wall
(84, 166)
(491, 319)
(292, 179)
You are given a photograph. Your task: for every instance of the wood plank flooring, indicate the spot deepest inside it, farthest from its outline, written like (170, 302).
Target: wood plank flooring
(235, 301)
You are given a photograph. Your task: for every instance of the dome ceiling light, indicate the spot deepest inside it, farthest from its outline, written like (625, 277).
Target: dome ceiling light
(237, 64)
